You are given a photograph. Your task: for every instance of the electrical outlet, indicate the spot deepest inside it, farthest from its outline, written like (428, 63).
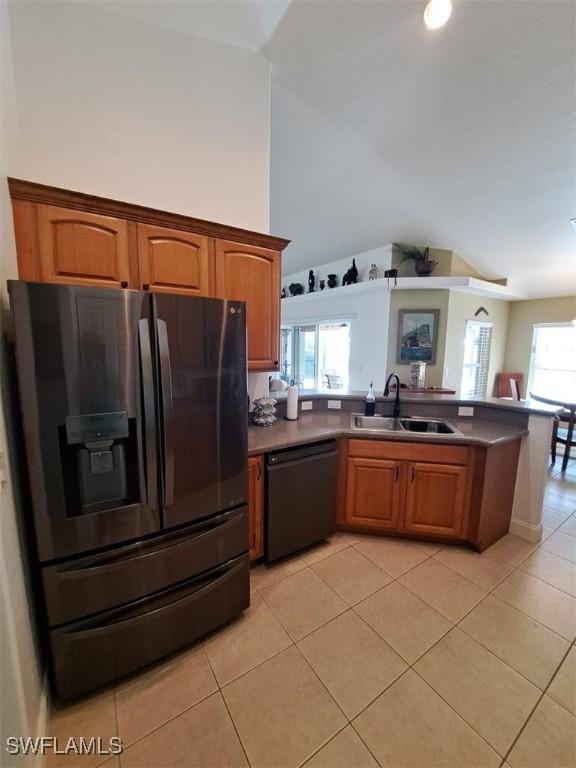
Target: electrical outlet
(307, 405)
(465, 410)
(335, 404)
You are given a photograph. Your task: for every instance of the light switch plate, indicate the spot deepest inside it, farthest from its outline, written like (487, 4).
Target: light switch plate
(465, 410)
(307, 405)
(335, 404)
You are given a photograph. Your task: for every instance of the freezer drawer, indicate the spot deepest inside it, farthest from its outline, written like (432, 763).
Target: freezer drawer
(93, 652)
(93, 584)
(300, 497)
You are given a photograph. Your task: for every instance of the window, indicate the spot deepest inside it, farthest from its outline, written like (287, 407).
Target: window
(553, 362)
(316, 355)
(476, 359)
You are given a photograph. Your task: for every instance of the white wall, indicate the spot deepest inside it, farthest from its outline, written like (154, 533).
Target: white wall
(368, 314)
(21, 683)
(123, 109)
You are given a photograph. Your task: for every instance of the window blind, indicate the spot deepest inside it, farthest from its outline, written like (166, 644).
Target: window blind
(477, 344)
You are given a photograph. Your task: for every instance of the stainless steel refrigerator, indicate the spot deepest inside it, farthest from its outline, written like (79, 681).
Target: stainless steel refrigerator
(134, 408)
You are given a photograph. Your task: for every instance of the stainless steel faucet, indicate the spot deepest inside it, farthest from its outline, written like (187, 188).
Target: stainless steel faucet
(387, 392)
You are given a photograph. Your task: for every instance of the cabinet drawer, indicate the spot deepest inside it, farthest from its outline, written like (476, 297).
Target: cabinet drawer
(93, 652)
(401, 451)
(101, 582)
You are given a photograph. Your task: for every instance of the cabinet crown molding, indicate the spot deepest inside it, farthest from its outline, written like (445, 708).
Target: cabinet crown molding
(41, 193)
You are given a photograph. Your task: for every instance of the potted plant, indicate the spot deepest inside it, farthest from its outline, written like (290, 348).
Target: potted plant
(423, 264)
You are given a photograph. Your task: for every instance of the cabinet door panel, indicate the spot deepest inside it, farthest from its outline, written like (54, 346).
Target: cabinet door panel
(82, 248)
(251, 274)
(173, 261)
(373, 493)
(255, 507)
(435, 499)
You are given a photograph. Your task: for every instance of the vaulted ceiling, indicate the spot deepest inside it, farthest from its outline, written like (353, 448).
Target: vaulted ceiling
(463, 138)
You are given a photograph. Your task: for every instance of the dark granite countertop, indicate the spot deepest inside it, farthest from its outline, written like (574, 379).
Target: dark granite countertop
(323, 425)
(518, 406)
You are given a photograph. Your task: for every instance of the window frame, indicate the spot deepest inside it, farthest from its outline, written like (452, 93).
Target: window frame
(535, 329)
(295, 327)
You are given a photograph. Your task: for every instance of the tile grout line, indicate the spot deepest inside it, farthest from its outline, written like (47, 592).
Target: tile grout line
(226, 706)
(352, 607)
(535, 707)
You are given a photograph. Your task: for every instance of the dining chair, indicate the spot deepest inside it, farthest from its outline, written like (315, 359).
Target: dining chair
(563, 435)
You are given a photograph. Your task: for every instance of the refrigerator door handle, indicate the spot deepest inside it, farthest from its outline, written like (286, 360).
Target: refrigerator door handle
(149, 412)
(168, 421)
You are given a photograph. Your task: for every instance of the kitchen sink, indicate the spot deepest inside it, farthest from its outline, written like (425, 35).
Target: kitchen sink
(437, 426)
(407, 424)
(376, 423)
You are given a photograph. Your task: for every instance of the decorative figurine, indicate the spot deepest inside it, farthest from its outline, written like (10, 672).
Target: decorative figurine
(284, 293)
(296, 289)
(322, 284)
(332, 281)
(352, 275)
(373, 272)
(264, 411)
(311, 281)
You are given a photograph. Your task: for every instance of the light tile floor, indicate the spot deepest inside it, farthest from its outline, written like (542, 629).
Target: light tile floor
(366, 652)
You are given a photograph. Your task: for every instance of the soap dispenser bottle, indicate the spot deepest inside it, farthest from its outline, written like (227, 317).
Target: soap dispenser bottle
(370, 402)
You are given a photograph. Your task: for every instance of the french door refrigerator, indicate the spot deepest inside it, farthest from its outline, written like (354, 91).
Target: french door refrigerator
(134, 408)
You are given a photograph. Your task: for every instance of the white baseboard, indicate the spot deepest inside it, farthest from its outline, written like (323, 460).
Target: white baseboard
(525, 530)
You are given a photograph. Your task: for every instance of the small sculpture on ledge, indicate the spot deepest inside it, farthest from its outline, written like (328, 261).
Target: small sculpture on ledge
(332, 281)
(296, 289)
(373, 272)
(322, 284)
(311, 281)
(352, 275)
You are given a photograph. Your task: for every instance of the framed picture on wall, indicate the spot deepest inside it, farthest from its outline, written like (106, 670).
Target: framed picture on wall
(417, 336)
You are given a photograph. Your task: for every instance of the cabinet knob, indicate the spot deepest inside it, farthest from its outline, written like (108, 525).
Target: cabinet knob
(124, 284)
(275, 362)
(145, 286)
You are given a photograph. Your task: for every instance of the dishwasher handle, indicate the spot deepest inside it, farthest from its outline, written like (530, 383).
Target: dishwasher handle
(305, 452)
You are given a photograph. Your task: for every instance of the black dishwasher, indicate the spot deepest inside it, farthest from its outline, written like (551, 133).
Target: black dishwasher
(300, 497)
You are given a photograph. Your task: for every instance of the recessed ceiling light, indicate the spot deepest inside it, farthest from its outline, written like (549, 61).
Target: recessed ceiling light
(437, 13)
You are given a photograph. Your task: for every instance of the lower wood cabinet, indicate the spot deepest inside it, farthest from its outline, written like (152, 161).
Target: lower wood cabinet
(428, 490)
(435, 499)
(407, 488)
(373, 492)
(255, 507)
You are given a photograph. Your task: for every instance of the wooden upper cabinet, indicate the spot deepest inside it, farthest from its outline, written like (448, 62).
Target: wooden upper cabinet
(252, 274)
(77, 247)
(173, 261)
(373, 493)
(436, 499)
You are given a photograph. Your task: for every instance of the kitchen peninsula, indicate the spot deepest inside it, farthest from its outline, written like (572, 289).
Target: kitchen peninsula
(471, 486)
